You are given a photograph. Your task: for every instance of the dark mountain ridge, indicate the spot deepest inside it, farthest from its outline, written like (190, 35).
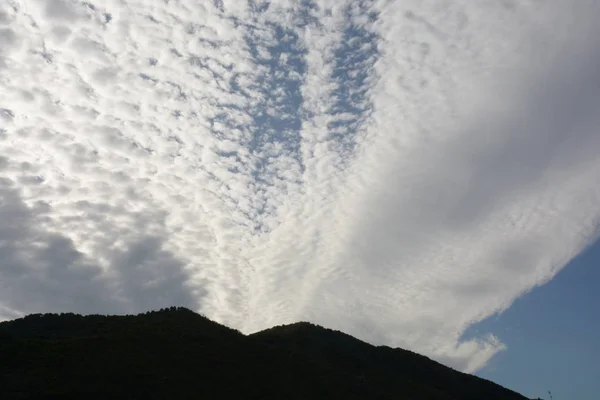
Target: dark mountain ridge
(178, 354)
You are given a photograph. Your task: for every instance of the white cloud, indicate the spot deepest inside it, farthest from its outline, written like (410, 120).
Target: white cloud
(397, 170)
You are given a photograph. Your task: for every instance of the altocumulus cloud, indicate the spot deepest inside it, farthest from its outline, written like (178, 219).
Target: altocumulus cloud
(398, 170)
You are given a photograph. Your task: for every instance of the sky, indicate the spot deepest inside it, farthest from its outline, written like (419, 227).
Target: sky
(399, 170)
(552, 336)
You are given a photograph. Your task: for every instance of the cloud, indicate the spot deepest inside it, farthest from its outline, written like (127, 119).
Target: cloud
(397, 170)
(42, 270)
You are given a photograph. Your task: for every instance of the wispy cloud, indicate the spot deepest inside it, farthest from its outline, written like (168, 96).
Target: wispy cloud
(397, 170)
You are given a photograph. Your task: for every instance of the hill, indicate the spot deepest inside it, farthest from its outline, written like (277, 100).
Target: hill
(178, 354)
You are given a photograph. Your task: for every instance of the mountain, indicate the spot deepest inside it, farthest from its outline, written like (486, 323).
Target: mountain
(177, 354)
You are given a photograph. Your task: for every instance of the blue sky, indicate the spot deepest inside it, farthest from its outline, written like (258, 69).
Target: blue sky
(398, 170)
(552, 334)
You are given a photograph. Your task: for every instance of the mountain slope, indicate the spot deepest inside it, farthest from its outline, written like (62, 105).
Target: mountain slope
(177, 354)
(397, 370)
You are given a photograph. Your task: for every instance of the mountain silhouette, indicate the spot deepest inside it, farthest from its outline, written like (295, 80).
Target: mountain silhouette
(175, 353)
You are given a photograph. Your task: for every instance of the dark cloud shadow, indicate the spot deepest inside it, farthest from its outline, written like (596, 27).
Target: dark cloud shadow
(42, 271)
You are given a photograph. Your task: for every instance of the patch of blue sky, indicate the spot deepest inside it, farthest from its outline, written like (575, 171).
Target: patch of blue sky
(353, 70)
(551, 335)
(277, 119)
(273, 136)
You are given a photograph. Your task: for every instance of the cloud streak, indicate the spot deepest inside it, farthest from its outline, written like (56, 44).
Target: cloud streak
(397, 170)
